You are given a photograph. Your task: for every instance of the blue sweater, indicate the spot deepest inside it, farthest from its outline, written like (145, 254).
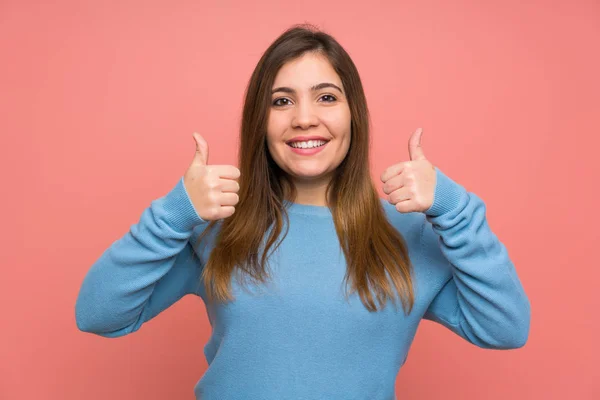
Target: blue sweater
(298, 338)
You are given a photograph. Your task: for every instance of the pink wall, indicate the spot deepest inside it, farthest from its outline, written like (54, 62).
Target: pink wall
(98, 104)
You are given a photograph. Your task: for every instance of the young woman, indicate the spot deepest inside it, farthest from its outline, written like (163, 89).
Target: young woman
(273, 247)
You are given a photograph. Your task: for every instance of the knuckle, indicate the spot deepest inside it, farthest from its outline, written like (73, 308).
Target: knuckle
(212, 197)
(213, 185)
(213, 212)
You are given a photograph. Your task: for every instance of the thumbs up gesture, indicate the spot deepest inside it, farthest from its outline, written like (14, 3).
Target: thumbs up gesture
(410, 185)
(211, 188)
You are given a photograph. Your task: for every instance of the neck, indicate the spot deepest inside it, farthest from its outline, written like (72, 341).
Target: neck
(310, 192)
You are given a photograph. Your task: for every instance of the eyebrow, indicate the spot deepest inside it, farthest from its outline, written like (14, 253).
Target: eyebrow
(312, 89)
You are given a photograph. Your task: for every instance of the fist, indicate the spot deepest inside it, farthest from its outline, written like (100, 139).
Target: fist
(410, 185)
(213, 189)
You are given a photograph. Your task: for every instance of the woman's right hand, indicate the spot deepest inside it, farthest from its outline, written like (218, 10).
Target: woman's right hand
(212, 188)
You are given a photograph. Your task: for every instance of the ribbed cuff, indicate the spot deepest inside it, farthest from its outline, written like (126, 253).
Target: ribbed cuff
(446, 195)
(178, 205)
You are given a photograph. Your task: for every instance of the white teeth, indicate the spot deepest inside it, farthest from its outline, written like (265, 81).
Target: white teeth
(308, 145)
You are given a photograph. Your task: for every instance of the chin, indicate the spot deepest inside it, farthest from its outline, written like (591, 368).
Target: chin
(308, 174)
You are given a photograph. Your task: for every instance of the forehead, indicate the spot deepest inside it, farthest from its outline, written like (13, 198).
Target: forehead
(306, 71)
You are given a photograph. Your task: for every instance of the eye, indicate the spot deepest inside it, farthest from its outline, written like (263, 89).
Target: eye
(276, 104)
(331, 96)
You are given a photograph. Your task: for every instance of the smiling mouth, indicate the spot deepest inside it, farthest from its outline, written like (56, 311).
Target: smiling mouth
(322, 143)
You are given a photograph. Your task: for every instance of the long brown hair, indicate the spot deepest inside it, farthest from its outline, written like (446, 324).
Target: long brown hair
(372, 247)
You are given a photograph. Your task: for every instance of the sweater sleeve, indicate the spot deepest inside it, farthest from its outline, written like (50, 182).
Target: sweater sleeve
(148, 269)
(483, 300)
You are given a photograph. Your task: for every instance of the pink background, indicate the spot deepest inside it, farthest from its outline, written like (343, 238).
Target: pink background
(98, 104)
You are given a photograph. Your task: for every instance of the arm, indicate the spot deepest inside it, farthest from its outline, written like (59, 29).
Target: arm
(145, 271)
(483, 301)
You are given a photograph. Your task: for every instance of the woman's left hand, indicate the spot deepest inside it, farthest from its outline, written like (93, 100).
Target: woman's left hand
(410, 185)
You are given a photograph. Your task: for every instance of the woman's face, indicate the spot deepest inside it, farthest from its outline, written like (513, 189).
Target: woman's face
(308, 101)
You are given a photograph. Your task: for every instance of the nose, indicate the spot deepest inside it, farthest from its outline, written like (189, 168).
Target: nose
(305, 116)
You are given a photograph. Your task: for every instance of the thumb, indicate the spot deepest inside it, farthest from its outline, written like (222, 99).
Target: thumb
(201, 156)
(414, 146)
